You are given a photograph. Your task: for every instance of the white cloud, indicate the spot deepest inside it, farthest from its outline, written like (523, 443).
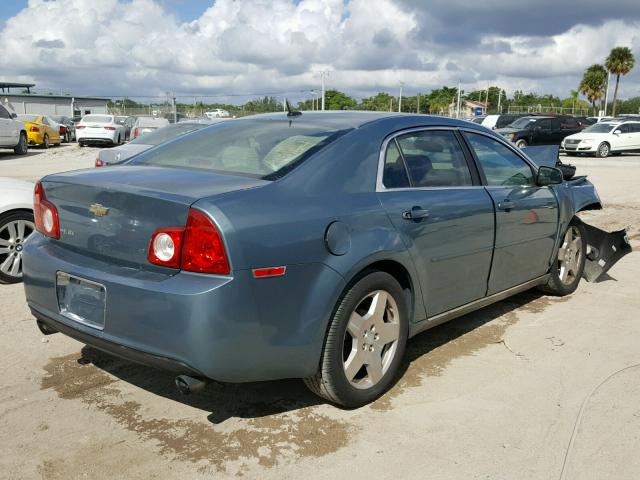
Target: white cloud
(137, 47)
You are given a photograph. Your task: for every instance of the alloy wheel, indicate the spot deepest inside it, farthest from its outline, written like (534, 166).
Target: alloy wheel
(570, 256)
(12, 237)
(371, 339)
(603, 149)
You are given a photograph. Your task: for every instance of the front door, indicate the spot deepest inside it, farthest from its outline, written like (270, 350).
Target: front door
(443, 215)
(526, 215)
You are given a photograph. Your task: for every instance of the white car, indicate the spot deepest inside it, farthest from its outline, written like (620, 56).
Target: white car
(13, 133)
(604, 138)
(99, 129)
(16, 224)
(217, 113)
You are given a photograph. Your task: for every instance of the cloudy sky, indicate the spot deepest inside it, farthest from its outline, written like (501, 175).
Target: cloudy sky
(236, 47)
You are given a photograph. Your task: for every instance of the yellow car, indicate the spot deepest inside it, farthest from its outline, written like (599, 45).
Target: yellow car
(41, 130)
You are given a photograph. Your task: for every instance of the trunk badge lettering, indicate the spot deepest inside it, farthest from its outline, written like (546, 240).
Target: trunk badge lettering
(98, 210)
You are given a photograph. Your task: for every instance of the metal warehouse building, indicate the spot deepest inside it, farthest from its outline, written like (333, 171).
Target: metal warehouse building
(49, 104)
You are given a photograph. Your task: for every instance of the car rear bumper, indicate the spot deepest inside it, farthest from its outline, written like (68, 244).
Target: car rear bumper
(227, 328)
(96, 136)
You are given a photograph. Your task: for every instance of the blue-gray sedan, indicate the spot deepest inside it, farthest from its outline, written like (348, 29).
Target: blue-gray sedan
(304, 245)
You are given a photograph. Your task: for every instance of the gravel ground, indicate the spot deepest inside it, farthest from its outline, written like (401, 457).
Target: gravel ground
(492, 395)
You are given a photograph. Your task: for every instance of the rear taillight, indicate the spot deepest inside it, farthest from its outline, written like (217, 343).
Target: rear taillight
(45, 213)
(109, 128)
(203, 250)
(165, 247)
(135, 132)
(34, 129)
(198, 247)
(63, 129)
(99, 163)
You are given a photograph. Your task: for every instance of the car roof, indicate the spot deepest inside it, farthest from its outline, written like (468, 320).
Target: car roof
(346, 119)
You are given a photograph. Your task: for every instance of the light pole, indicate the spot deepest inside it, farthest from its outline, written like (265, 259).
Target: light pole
(323, 74)
(458, 103)
(400, 98)
(313, 100)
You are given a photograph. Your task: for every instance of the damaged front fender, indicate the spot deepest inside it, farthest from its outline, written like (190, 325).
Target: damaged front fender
(604, 249)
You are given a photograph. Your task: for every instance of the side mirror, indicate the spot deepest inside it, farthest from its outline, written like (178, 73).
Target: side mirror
(549, 176)
(617, 132)
(14, 115)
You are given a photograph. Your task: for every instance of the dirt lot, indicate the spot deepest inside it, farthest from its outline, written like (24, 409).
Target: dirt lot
(493, 395)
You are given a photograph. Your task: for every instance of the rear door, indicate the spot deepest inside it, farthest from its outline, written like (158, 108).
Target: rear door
(634, 133)
(624, 138)
(432, 194)
(6, 127)
(526, 215)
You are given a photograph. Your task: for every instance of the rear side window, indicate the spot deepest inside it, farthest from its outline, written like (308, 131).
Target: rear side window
(395, 175)
(4, 113)
(431, 158)
(504, 120)
(501, 166)
(634, 127)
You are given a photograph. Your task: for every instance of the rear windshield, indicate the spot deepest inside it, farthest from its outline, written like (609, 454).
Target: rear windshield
(600, 128)
(261, 149)
(167, 133)
(28, 118)
(152, 122)
(97, 119)
(58, 118)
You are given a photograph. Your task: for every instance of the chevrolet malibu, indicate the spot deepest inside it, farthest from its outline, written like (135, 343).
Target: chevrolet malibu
(300, 245)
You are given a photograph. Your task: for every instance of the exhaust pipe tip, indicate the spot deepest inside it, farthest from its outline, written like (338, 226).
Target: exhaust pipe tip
(187, 384)
(45, 329)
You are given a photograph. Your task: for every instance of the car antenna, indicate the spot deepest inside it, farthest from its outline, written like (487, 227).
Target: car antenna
(290, 111)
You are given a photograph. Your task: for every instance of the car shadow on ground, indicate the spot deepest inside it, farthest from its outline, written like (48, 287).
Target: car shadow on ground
(8, 155)
(252, 400)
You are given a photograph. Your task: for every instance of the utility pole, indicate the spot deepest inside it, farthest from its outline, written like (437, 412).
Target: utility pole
(173, 104)
(486, 102)
(418, 109)
(323, 73)
(458, 103)
(400, 97)
(499, 100)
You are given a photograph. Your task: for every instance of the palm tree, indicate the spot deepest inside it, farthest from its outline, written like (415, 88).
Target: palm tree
(593, 83)
(619, 62)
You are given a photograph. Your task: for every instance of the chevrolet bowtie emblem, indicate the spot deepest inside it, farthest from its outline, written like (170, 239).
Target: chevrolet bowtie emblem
(98, 210)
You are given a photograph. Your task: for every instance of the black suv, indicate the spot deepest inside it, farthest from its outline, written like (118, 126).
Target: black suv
(538, 130)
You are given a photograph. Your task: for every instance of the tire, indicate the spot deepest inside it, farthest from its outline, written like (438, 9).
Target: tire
(603, 151)
(353, 341)
(45, 141)
(521, 143)
(81, 144)
(15, 227)
(23, 145)
(566, 271)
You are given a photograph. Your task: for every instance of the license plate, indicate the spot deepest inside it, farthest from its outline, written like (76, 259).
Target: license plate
(81, 300)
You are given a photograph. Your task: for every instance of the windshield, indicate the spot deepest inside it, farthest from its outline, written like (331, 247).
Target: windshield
(28, 118)
(522, 123)
(262, 149)
(97, 119)
(600, 128)
(170, 132)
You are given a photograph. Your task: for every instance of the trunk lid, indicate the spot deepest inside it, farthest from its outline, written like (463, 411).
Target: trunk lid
(112, 213)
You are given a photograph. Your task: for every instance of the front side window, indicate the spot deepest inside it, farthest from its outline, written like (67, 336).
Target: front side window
(432, 159)
(501, 166)
(4, 113)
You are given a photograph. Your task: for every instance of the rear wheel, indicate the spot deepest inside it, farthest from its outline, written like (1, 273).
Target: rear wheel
(365, 342)
(45, 141)
(566, 271)
(15, 227)
(23, 145)
(521, 143)
(603, 150)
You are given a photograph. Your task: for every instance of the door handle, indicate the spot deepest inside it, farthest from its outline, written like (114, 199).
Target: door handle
(416, 213)
(506, 205)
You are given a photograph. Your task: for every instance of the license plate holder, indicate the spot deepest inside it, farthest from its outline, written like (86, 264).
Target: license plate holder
(81, 300)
